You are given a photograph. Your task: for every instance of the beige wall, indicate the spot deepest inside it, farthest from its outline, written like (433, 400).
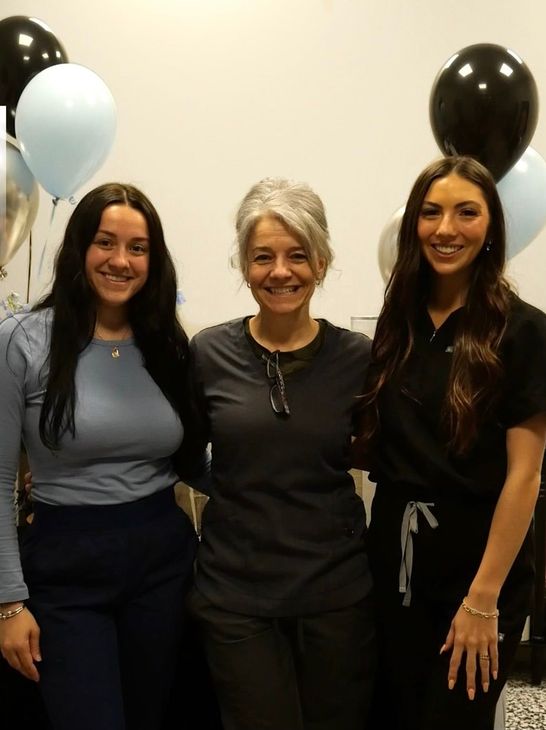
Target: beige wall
(215, 94)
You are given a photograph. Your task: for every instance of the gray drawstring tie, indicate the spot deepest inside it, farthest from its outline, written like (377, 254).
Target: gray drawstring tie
(409, 527)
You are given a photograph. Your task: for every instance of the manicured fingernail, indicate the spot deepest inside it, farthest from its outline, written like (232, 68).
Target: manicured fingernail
(485, 686)
(470, 694)
(495, 674)
(443, 649)
(451, 684)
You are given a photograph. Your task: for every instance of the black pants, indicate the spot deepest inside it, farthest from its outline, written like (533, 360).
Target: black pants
(307, 673)
(411, 686)
(411, 691)
(107, 588)
(21, 705)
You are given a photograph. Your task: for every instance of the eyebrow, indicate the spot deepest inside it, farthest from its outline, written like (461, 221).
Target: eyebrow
(458, 205)
(106, 232)
(299, 247)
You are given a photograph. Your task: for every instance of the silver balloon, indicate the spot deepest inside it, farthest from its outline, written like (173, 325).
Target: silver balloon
(388, 244)
(19, 206)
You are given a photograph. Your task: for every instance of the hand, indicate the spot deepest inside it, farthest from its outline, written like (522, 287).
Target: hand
(20, 643)
(477, 638)
(28, 484)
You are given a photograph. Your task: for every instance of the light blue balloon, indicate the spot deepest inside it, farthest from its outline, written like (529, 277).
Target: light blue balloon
(65, 124)
(523, 195)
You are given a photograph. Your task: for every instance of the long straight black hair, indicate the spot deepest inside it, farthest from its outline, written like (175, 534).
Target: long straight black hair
(152, 312)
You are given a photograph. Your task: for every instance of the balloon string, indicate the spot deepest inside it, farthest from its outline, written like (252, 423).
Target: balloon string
(42, 257)
(29, 272)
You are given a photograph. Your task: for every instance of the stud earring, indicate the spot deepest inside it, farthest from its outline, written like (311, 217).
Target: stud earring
(488, 246)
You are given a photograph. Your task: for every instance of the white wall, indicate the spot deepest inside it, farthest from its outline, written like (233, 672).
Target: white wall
(213, 95)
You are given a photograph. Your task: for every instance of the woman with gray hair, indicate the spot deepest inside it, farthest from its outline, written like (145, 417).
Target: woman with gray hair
(282, 588)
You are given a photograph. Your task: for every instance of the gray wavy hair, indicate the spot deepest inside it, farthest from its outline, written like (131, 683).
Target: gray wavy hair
(298, 207)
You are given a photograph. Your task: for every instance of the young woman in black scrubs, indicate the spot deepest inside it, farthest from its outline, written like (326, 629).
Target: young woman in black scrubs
(455, 417)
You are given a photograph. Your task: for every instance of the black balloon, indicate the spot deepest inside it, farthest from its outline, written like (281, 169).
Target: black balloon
(27, 46)
(484, 103)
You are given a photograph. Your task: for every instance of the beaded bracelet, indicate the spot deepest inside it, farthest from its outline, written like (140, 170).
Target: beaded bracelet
(475, 612)
(4, 615)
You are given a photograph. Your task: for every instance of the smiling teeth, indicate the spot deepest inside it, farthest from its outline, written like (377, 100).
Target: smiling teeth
(447, 249)
(282, 289)
(111, 277)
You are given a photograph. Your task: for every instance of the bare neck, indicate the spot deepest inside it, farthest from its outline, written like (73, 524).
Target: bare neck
(112, 323)
(446, 296)
(284, 333)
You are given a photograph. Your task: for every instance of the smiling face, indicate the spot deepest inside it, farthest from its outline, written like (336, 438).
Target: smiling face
(117, 260)
(452, 227)
(280, 275)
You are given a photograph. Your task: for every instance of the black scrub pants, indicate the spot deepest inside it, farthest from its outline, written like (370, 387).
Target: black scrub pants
(307, 673)
(411, 690)
(107, 588)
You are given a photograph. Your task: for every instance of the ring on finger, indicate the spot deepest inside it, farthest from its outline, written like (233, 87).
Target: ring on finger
(484, 657)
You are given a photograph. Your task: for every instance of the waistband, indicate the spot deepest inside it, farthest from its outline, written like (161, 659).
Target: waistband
(441, 493)
(67, 518)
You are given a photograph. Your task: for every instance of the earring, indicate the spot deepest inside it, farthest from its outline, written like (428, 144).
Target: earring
(248, 284)
(488, 246)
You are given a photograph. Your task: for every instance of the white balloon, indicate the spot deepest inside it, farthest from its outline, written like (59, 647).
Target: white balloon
(523, 195)
(388, 244)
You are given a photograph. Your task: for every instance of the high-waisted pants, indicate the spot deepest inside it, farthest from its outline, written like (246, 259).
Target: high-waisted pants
(107, 587)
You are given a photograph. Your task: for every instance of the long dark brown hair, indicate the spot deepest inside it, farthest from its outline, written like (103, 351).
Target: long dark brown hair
(476, 368)
(152, 311)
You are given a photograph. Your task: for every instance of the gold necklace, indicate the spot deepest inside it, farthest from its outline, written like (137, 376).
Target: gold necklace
(115, 352)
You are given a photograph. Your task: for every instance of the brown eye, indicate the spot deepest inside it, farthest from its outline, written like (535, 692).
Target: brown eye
(139, 249)
(261, 258)
(429, 212)
(299, 256)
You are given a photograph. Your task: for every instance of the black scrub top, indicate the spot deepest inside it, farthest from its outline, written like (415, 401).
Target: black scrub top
(413, 438)
(413, 463)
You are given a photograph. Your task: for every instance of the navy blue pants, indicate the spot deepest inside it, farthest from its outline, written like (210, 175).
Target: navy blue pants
(107, 587)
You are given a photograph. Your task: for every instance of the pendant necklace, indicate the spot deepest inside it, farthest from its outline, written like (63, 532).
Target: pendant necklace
(115, 351)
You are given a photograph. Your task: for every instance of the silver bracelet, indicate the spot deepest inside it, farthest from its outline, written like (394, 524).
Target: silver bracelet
(4, 615)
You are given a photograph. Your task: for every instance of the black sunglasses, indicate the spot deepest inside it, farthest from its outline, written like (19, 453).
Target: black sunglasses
(277, 392)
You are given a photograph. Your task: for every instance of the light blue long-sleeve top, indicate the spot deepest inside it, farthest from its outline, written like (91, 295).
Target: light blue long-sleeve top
(126, 431)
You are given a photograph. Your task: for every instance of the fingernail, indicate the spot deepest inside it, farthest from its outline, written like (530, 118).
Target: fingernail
(443, 649)
(39, 658)
(451, 684)
(470, 694)
(495, 674)
(485, 686)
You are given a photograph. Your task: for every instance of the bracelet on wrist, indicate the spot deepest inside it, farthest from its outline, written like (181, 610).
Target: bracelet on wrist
(475, 612)
(4, 615)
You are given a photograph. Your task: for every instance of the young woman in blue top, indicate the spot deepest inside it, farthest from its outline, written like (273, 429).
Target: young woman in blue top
(92, 382)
